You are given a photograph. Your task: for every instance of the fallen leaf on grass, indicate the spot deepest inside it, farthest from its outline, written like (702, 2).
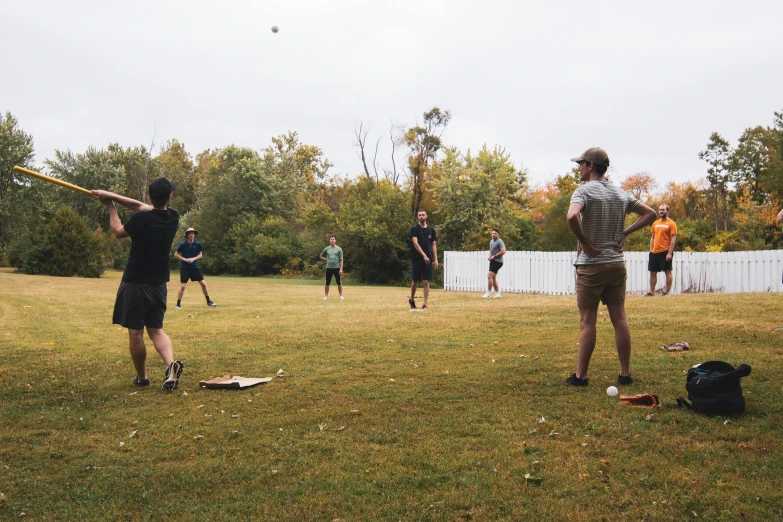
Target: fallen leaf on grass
(133, 434)
(341, 428)
(199, 437)
(636, 436)
(584, 444)
(542, 420)
(190, 316)
(532, 431)
(356, 412)
(122, 444)
(553, 433)
(743, 445)
(530, 479)
(280, 372)
(604, 462)
(199, 406)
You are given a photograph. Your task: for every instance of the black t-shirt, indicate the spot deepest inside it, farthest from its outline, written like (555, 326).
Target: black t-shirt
(426, 237)
(152, 233)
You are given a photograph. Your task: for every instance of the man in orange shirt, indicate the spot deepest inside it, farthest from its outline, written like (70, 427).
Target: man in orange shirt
(664, 236)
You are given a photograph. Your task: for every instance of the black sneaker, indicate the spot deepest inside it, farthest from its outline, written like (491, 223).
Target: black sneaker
(576, 381)
(624, 379)
(412, 303)
(648, 294)
(173, 372)
(211, 304)
(140, 383)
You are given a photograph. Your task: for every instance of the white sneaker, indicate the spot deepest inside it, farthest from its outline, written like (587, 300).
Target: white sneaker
(486, 295)
(498, 295)
(325, 298)
(342, 298)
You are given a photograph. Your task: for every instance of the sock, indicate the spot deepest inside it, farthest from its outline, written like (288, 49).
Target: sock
(207, 298)
(178, 301)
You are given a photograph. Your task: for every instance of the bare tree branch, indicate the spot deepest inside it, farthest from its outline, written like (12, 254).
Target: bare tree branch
(361, 140)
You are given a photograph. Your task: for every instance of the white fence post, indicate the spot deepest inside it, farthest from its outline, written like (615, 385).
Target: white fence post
(553, 272)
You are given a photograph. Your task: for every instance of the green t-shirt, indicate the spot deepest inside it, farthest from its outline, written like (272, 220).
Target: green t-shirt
(333, 255)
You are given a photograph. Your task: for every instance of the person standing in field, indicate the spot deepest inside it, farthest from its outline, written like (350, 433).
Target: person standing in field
(662, 241)
(141, 298)
(333, 255)
(496, 250)
(189, 252)
(596, 216)
(424, 255)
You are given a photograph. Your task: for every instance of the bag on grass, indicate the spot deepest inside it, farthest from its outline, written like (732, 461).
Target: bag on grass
(714, 388)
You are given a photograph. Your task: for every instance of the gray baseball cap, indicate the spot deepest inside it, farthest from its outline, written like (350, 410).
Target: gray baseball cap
(595, 155)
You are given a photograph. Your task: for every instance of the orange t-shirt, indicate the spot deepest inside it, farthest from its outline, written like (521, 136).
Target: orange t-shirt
(662, 232)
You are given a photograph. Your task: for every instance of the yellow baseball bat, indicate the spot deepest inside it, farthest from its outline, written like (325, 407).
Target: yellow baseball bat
(51, 180)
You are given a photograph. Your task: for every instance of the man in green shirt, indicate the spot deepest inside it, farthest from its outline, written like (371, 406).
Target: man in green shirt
(333, 255)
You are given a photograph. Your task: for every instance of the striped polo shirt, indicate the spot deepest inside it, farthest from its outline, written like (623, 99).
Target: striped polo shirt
(604, 207)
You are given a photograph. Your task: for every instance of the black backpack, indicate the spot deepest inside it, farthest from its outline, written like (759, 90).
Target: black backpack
(714, 388)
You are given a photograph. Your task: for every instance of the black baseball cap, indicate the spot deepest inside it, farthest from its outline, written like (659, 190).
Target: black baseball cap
(161, 188)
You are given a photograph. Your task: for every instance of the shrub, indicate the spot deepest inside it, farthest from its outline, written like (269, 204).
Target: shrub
(63, 247)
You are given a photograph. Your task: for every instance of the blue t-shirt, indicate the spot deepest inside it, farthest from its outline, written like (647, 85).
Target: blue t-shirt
(188, 250)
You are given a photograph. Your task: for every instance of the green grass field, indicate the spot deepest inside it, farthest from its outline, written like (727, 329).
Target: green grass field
(382, 414)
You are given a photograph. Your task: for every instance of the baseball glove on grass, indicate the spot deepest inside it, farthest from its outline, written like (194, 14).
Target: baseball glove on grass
(641, 400)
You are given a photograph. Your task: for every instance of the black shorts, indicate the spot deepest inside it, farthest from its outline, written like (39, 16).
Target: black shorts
(139, 305)
(658, 263)
(192, 272)
(494, 266)
(421, 270)
(333, 272)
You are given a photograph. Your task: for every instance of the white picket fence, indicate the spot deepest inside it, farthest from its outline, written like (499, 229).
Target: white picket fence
(553, 272)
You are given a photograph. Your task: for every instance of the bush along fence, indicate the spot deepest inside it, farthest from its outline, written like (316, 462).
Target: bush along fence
(553, 272)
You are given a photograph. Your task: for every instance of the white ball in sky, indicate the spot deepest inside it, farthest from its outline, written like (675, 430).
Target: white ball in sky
(275, 28)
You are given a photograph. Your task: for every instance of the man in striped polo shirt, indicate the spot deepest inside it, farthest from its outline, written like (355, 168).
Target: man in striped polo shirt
(596, 217)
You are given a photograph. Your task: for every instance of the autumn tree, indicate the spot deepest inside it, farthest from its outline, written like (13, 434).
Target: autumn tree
(640, 184)
(718, 157)
(423, 144)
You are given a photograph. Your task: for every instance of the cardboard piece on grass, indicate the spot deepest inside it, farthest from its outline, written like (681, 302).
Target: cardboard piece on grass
(233, 382)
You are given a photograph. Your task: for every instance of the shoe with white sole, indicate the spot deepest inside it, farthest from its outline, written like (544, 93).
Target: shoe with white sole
(342, 298)
(498, 295)
(325, 298)
(173, 372)
(486, 295)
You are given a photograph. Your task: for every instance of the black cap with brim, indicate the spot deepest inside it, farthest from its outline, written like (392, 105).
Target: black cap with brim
(161, 188)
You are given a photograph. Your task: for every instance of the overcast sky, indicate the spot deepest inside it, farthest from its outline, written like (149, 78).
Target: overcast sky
(647, 81)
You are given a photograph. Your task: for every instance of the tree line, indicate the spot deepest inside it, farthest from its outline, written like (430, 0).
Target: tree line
(271, 210)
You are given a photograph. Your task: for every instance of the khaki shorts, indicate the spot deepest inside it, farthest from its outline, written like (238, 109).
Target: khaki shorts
(604, 283)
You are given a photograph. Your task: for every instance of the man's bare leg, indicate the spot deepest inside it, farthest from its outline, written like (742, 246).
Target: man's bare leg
(340, 289)
(586, 340)
(181, 291)
(162, 344)
(204, 288)
(669, 280)
(653, 281)
(138, 352)
(622, 337)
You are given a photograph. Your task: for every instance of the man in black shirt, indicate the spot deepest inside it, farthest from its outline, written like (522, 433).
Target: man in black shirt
(424, 255)
(141, 298)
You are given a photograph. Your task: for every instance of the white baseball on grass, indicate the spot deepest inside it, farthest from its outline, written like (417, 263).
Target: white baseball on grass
(611, 391)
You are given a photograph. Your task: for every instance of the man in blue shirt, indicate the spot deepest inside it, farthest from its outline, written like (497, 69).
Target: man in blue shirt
(189, 252)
